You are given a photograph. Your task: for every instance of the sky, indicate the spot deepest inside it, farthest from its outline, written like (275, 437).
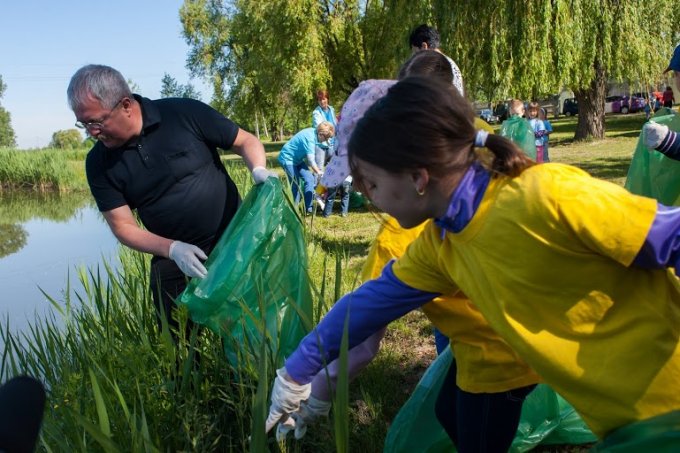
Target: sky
(43, 42)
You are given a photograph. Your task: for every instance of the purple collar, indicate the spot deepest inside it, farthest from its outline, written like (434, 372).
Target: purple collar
(465, 199)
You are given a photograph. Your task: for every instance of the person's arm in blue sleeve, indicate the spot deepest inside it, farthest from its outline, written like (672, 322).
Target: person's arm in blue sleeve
(662, 246)
(372, 306)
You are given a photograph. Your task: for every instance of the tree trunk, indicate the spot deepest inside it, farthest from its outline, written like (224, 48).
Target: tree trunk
(257, 125)
(591, 107)
(266, 129)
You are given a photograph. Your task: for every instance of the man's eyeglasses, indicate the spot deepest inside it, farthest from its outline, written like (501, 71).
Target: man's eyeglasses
(98, 125)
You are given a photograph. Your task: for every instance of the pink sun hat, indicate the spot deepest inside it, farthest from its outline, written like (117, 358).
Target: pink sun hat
(352, 111)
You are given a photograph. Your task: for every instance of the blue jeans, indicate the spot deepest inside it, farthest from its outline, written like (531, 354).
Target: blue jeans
(301, 176)
(479, 422)
(345, 187)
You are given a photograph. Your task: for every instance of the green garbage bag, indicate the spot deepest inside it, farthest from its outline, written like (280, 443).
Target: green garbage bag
(415, 428)
(658, 434)
(545, 415)
(651, 173)
(356, 199)
(571, 428)
(257, 282)
(520, 131)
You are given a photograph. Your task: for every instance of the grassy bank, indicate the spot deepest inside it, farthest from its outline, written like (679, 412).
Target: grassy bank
(42, 170)
(117, 383)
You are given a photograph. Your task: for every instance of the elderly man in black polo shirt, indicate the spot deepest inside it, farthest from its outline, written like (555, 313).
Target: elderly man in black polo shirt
(160, 158)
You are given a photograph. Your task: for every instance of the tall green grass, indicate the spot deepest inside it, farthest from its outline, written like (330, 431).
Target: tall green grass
(118, 383)
(39, 170)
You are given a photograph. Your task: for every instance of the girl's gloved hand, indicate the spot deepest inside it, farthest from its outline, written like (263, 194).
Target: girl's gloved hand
(309, 412)
(285, 400)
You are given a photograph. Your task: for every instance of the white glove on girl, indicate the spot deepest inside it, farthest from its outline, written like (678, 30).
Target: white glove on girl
(286, 399)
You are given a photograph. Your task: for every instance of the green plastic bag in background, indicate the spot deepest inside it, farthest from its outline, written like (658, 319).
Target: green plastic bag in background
(519, 131)
(546, 418)
(651, 173)
(257, 280)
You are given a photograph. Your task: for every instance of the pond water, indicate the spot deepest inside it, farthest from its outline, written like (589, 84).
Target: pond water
(44, 240)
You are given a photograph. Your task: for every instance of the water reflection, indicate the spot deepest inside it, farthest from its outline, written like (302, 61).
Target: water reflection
(44, 239)
(12, 239)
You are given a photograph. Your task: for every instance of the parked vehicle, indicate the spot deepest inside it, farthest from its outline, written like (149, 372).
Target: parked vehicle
(488, 116)
(636, 104)
(570, 107)
(501, 111)
(654, 99)
(613, 104)
(623, 104)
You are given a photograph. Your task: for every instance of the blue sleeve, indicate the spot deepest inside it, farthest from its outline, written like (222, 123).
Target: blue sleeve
(662, 246)
(670, 146)
(370, 307)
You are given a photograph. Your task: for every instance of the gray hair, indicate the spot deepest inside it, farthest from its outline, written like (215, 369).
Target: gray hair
(100, 82)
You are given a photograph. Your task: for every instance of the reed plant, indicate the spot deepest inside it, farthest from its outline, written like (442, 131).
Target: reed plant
(42, 170)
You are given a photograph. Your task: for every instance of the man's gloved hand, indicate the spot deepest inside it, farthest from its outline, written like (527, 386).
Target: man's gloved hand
(654, 134)
(309, 412)
(188, 258)
(260, 174)
(286, 399)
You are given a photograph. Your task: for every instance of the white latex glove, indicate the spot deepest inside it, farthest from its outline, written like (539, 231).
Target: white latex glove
(284, 427)
(188, 258)
(309, 412)
(260, 174)
(654, 133)
(286, 399)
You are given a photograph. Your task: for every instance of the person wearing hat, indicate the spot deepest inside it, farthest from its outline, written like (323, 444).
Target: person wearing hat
(658, 136)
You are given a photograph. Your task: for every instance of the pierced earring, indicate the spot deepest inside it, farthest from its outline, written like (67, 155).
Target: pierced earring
(420, 192)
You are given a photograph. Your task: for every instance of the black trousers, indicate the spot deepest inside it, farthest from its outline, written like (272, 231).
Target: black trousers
(479, 422)
(167, 284)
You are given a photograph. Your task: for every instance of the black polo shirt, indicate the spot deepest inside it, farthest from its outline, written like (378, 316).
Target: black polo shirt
(171, 174)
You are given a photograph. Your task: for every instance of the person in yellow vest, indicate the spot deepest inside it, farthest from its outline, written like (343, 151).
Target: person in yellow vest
(576, 274)
(481, 400)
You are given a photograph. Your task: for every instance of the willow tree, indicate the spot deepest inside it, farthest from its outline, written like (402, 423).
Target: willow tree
(268, 58)
(514, 48)
(367, 39)
(265, 58)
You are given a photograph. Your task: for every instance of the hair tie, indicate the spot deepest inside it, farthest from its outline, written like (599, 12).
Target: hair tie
(480, 138)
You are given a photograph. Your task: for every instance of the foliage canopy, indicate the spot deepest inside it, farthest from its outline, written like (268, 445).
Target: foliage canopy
(67, 139)
(266, 59)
